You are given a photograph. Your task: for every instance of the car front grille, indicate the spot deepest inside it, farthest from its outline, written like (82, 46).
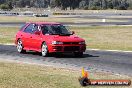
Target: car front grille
(70, 42)
(57, 48)
(71, 48)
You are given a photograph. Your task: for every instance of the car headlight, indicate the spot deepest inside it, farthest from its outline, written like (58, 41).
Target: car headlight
(83, 42)
(57, 42)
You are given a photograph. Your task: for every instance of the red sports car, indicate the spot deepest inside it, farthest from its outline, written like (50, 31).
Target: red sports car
(48, 37)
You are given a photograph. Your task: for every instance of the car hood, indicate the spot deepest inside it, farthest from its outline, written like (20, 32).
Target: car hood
(71, 38)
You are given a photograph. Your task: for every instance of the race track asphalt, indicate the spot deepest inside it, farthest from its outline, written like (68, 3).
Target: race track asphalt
(104, 61)
(13, 24)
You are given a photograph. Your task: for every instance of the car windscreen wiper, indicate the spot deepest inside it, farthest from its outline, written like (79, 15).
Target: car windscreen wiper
(60, 34)
(64, 34)
(54, 34)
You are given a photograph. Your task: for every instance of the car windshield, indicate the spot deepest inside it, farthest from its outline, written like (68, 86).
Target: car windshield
(55, 30)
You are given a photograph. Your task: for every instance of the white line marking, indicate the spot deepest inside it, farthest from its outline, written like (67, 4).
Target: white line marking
(111, 50)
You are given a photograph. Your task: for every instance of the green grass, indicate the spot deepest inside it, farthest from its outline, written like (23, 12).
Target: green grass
(7, 34)
(18, 75)
(32, 19)
(111, 37)
(26, 76)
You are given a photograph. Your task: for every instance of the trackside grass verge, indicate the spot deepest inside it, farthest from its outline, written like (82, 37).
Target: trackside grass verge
(7, 34)
(18, 75)
(98, 37)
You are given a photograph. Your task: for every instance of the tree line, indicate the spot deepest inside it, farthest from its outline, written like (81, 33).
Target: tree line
(68, 4)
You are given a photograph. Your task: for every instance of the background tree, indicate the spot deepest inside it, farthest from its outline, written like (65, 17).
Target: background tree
(4, 6)
(71, 4)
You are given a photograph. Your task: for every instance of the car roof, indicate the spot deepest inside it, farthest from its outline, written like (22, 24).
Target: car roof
(40, 23)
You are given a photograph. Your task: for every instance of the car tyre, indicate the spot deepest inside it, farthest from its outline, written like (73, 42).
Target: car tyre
(20, 47)
(44, 50)
(78, 54)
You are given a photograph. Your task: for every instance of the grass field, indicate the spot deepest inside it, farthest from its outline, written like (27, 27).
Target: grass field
(18, 75)
(111, 37)
(7, 34)
(27, 19)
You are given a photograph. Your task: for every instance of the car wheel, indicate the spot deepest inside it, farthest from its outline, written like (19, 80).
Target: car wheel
(44, 49)
(78, 54)
(20, 47)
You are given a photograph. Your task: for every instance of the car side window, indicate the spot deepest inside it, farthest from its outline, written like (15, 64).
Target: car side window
(45, 30)
(35, 28)
(29, 29)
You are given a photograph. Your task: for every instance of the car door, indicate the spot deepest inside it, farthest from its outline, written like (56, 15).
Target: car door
(26, 37)
(36, 38)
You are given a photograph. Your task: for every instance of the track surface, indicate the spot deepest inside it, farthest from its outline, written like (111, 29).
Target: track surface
(12, 24)
(120, 21)
(106, 61)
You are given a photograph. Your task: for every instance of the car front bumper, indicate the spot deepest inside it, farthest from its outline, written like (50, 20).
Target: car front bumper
(67, 48)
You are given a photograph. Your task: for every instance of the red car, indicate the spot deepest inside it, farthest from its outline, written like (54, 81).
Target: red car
(48, 37)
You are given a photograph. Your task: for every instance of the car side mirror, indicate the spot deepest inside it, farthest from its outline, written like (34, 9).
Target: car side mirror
(73, 32)
(37, 32)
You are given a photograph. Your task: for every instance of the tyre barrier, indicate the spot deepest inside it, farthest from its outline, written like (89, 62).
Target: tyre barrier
(65, 13)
